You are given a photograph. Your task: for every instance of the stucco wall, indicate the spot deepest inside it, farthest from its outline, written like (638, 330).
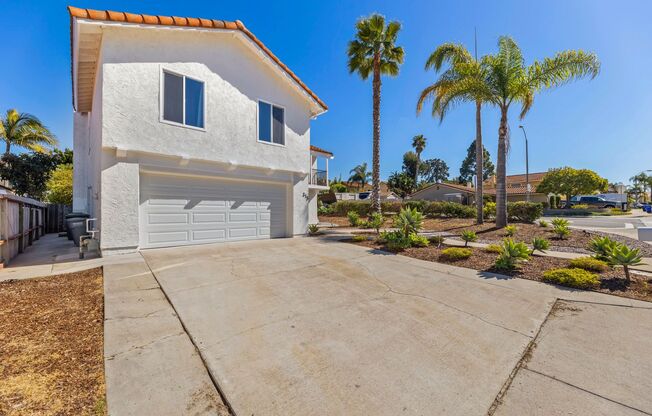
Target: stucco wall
(443, 193)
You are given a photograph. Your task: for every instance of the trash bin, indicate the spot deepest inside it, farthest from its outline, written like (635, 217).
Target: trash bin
(77, 228)
(75, 217)
(648, 208)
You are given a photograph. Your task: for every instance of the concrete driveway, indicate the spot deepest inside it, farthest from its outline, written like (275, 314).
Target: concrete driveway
(306, 326)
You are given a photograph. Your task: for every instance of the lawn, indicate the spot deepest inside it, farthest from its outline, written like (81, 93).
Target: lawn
(51, 345)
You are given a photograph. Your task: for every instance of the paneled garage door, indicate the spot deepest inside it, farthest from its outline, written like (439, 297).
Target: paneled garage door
(177, 210)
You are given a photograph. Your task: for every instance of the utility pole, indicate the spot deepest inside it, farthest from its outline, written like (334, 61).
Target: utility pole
(527, 167)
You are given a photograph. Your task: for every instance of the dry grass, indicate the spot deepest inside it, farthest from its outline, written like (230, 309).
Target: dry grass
(51, 342)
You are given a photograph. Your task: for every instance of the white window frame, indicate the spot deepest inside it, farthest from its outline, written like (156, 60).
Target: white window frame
(162, 99)
(271, 123)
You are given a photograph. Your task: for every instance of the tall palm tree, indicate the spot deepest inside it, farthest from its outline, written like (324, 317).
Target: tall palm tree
(509, 80)
(26, 131)
(419, 144)
(463, 81)
(374, 52)
(643, 181)
(360, 174)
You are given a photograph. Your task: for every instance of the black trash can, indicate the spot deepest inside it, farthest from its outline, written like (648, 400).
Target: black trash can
(77, 228)
(75, 217)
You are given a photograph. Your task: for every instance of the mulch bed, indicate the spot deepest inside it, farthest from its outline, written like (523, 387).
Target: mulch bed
(612, 281)
(51, 345)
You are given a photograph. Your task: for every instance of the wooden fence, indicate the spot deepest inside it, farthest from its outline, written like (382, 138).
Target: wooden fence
(54, 217)
(22, 222)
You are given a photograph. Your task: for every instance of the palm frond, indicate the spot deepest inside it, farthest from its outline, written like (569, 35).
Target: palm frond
(451, 53)
(564, 67)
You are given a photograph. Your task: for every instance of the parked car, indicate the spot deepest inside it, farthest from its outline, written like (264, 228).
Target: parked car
(594, 202)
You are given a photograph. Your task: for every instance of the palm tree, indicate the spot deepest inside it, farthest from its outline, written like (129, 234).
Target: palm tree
(643, 181)
(509, 80)
(26, 131)
(419, 144)
(360, 174)
(373, 51)
(463, 81)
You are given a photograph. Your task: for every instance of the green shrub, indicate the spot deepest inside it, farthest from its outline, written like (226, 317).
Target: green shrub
(395, 240)
(446, 209)
(418, 204)
(468, 236)
(325, 209)
(511, 254)
(391, 206)
(313, 229)
(408, 221)
(358, 238)
(375, 221)
(437, 240)
(561, 231)
(601, 247)
(456, 253)
(493, 248)
(524, 211)
(543, 223)
(621, 255)
(489, 209)
(540, 244)
(560, 222)
(589, 263)
(417, 240)
(510, 230)
(580, 206)
(354, 218)
(577, 278)
(342, 208)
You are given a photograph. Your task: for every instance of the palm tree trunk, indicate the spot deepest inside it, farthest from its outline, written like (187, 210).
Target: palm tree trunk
(375, 180)
(479, 163)
(416, 169)
(626, 273)
(8, 148)
(501, 171)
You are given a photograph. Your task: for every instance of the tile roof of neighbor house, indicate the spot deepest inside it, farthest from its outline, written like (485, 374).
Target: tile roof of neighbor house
(111, 16)
(320, 150)
(534, 177)
(455, 186)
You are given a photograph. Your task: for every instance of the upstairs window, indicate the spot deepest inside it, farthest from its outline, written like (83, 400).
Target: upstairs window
(271, 123)
(183, 100)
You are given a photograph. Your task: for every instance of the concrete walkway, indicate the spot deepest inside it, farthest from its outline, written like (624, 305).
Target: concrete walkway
(307, 326)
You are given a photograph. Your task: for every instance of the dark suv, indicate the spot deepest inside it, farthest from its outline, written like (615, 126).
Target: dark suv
(593, 202)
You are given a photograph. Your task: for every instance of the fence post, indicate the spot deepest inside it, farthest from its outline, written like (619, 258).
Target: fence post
(21, 230)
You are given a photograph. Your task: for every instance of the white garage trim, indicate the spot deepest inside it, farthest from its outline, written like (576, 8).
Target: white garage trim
(192, 209)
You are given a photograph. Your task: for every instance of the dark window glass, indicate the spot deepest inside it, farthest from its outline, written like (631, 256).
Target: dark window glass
(279, 125)
(173, 99)
(194, 103)
(264, 122)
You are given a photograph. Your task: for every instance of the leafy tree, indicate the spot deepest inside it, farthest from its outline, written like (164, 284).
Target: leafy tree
(570, 182)
(410, 161)
(463, 81)
(507, 80)
(434, 170)
(26, 131)
(401, 183)
(27, 173)
(59, 186)
(642, 182)
(419, 144)
(467, 170)
(374, 52)
(360, 175)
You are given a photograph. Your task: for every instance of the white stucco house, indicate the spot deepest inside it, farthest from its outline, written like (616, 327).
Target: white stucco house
(188, 131)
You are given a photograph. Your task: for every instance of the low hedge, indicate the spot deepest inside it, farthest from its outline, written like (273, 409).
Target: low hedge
(524, 211)
(576, 278)
(456, 253)
(589, 263)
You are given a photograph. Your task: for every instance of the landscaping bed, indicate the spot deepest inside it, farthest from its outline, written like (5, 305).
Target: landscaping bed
(51, 345)
(611, 280)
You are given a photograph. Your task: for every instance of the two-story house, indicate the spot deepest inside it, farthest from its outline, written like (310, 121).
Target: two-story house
(188, 131)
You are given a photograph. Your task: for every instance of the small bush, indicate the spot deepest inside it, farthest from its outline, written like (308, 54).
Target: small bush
(417, 240)
(576, 278)
(408, 221)
(601, 247)
(580, 206)
(510, 230)
(560, 222)
(358, 238)
(589, 263)
(468, 237)
(342, 208)
(445, 209)
(540, 244)
(437, 240)
(456, 253)
(313, 229)
(375, 221)
(354, 218)
(325, 209)
(561, 231)
(543, 223)
(489, 209)
(493, 248)
(395, 240)
(524, 211)
(418, 204)
(511, 254)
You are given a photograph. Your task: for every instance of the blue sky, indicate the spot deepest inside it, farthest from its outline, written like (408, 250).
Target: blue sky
(602, 124)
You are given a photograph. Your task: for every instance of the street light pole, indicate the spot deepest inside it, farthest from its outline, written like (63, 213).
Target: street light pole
(527, 167)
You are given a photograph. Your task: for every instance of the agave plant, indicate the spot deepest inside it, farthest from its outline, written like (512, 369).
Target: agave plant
(601, 247)
(560, 222)
(408, 221)
(621, 255)
(540, 244)
(468, 236)
(511, 254)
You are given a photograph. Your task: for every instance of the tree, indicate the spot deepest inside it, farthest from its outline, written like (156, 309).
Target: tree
(410, 162)
(59, 186)
(642, 181)
(419, 144)
(360, 174)
(508, 80)
(374, 52)
(463, 81)
(401, 183)
(434, 170)
(570, 182)
(26, 131)
(468, 168)
(27, 173)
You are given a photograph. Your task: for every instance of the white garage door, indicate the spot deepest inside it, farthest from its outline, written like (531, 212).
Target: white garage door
(178, 210)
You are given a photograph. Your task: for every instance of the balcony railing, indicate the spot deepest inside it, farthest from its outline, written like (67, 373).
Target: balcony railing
(318, 177)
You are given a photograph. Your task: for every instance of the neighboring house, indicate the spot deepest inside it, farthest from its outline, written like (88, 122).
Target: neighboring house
(188, 131)
(516, 187)
(446, 192)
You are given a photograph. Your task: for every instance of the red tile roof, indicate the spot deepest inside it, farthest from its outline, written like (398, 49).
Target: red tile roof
(320, 150)
(107, 15)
